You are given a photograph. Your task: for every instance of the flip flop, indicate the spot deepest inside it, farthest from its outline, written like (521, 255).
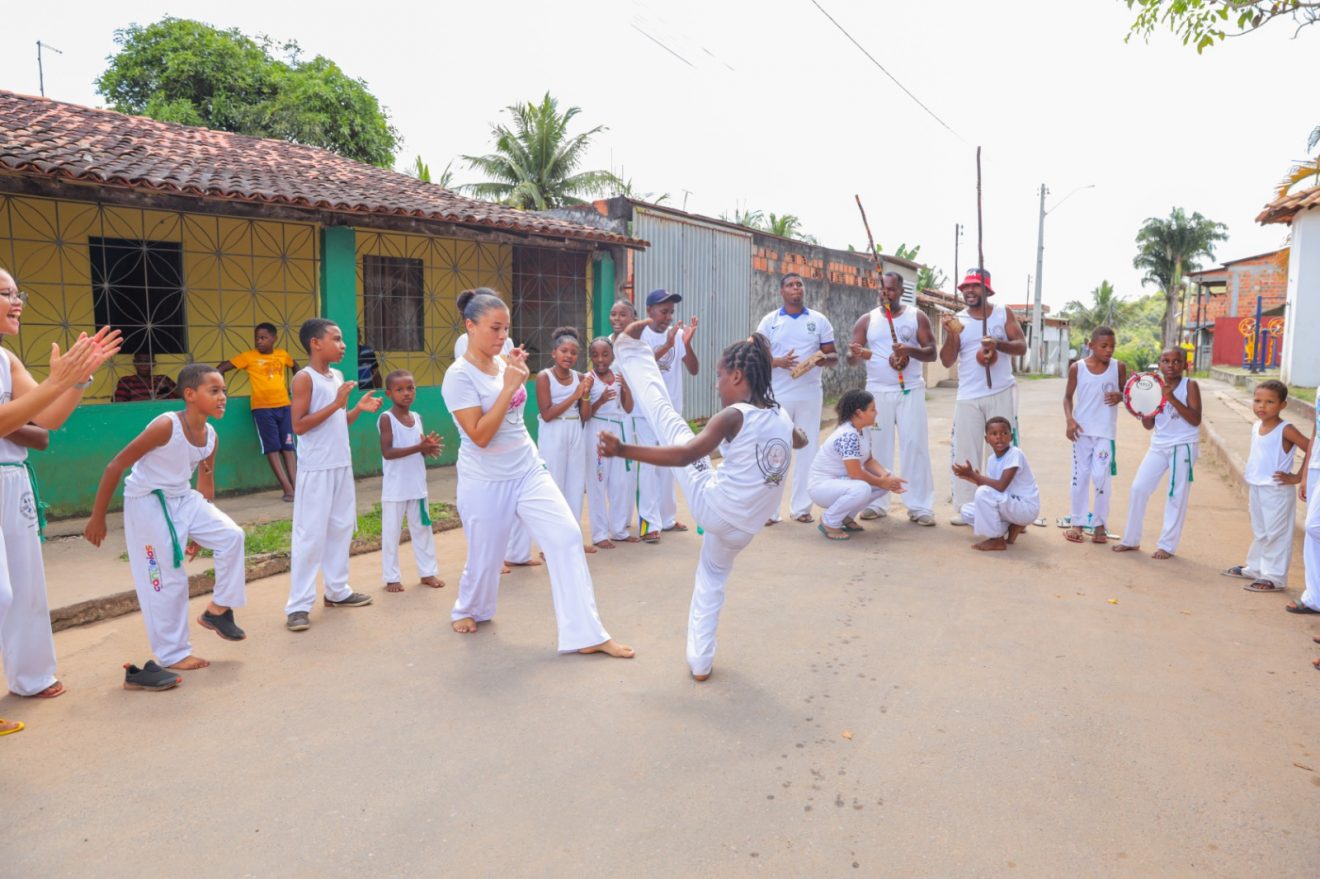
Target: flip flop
(651, 537)
(18, 727)
(832, 535)
(805, 518)
(1072, 535)
(55, 689)
(850, 525)
(1262, 586)
(1040, 522)
(1099, 538)
(1236, 571)
(677, 526)
(1298, 607)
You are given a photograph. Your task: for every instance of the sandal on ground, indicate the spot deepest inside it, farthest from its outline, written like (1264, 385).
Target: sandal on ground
(1262, 586)
(55, 689)
(849, 524)
(1099, 535)
(1239, 571)
(805, 518)
(833, 535)
(1073, 535)
(651, 537)
(1298, 607)
(677, 526)
(13, 726)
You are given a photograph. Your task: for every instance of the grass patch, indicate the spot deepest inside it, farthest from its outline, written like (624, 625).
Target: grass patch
(1307, 394)
(1033, 376)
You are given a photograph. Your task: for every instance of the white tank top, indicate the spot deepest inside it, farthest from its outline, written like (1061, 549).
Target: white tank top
(1089, 408)
(403, 479)
(325, 446)
(971, 375)
(1267, 456)
(611, 409)
(559, 393)
(750, 482)
(170, 467)
(10, 452)
(1171, 429)
(880, 376)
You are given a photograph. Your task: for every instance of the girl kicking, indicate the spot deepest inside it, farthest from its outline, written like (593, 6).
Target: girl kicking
(500, 475)
(563, 400)
(845, 478)
(733, 503)
(611, 484)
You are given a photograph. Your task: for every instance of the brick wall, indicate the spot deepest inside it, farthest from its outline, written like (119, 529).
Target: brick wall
(1264, 276)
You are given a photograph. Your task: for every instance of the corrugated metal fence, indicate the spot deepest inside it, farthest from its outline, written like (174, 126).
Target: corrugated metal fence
(710, 266)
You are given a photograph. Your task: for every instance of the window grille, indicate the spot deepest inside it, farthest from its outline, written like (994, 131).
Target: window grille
(549, 291)
(137, 288)
(393, 303)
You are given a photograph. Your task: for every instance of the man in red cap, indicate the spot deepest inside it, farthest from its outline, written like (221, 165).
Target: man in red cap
(982, 393)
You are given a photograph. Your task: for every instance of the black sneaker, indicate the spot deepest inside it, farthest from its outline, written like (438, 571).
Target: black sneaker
(149, 677)
(354, 599)
(298, 621)
(222, 624)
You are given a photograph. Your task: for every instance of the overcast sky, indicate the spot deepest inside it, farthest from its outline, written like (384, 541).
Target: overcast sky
(766, 105)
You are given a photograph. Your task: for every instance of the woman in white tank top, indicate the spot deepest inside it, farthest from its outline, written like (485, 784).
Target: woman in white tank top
(563, 401)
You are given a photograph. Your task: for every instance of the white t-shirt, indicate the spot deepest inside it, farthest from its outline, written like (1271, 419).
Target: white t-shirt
(671, 365)
(511, 452)
(403, 479)
(1171, 429)
(325, 447)
(1023, 485)
(847, 443)
(461, 346)
(613, 409)
(803, 334)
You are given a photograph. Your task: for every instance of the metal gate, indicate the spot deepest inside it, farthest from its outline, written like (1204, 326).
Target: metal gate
(710, 266)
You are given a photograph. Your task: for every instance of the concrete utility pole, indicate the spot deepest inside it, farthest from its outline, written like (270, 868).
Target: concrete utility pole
(1034, 364)
(957, 237)
(41, 73)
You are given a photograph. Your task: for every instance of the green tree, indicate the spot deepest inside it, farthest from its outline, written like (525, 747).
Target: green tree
(787, 226)
(628, 190)
(1202, 23)
(1169, 248)
(179, 70)
(422, 171)
(1105, 310)
(750, 219)
(535, 162)
(930, 278)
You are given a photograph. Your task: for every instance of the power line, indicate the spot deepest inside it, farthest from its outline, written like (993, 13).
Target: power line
(904, 88)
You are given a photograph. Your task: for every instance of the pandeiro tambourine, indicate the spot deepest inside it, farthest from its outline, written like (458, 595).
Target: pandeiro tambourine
(1143, 395)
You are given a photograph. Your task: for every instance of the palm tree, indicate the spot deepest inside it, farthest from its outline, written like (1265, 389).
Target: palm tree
(787, 226)
(1106, 310)
(422, 172)
(750, 219)
(1167, 249)
(627, 190)
(535, 162)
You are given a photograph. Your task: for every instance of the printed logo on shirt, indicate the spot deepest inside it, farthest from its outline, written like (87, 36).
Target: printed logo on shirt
(905, 334)
(516, 403)
(668, 360)
(811, 327)
(153, 568)
(27, 508)
(1102, 454)
(998, 333)
(772, 458)
(700, 466)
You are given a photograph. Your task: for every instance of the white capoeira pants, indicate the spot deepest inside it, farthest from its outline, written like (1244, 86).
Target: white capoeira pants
(487, 510)
(1177, 461)
(26, 643)
(1273, 510)
(392, 514)
(657, 505)
(969, 418)
(611, 482)
(324, 518)
(1311, 541)
(903, 416)
(162, 588)
(724, 533)
(1092, 464)
(991, 511)
(562, 444)
(843, 498)
(805, 412)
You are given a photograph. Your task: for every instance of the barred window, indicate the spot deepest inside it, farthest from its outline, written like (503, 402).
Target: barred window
(549, 290)
(392, 300)
(137, 288)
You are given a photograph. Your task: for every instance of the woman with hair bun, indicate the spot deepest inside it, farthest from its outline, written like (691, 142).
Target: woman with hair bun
(845, 477)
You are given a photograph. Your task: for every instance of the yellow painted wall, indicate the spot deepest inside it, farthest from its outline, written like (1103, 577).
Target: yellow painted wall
(237, 273)
(449, 266)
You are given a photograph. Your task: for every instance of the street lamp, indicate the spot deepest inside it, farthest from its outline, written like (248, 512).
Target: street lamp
(1036, 323)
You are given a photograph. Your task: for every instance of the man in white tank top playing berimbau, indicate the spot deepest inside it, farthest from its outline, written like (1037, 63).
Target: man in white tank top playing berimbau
(1090, 406)
(802, 341)
(982, 343)
(1175, 442)
(900, 404)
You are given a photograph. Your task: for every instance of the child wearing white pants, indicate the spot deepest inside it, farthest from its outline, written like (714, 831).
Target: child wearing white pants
(611, 485)
(733, 503)
(404, 447)
(845, 477)
(1090, 407)
(1006, 498)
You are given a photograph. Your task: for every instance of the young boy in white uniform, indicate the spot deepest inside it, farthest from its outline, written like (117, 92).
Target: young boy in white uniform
(1006, 498)
(671, 344)
(166, 519)
(611, 487)
(1090, 406)
(404, 446)
(325, 505)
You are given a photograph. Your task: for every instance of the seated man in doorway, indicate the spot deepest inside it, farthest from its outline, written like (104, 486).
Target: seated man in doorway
(144, 384)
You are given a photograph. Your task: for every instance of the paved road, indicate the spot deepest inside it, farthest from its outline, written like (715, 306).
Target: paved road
(895, 706)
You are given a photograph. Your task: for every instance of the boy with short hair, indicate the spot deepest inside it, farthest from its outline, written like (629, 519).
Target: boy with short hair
(1174, 446)
(1007, 498)
(1097, 384)
(404, 445)
(265, 366)
(1272, 501)
(166, 520)
(325, 506)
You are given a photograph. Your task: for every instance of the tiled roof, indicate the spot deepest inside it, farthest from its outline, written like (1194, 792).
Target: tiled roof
(46, 138)
(1285, 207)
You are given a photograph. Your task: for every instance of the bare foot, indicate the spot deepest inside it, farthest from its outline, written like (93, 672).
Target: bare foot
(1161, 555)
(677, 526)
(530, 563)
(620, 651)
(588, 548)
(465, 626)
(1315, 663)
(699, 678)
(189, 663)
(606, 544)
(993, 544)
(1073, 535)
(393, 587)
(433, 582)
(1123, 547)
(1014, 531)
(505, 569)
(631, 539)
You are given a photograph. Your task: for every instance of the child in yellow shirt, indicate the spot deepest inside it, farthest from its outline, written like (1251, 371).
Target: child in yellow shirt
(265, 365)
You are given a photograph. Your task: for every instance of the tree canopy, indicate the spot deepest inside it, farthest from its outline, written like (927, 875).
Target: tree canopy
(1202, 23)
(1169, 248)
(179, 70)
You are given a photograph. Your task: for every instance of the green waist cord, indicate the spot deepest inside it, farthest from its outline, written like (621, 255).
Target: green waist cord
(174, 536)
(36, 494)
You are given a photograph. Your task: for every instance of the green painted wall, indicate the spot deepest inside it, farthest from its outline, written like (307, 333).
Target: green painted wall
(602, 294)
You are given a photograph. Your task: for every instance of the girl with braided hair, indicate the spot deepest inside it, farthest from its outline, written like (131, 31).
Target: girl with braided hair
(732, 504)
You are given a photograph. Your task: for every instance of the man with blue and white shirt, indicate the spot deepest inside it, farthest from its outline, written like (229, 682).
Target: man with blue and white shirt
(797, 333)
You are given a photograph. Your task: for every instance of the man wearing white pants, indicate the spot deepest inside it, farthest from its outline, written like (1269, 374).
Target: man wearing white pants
(982, 394)
(888, 345)
(796, 334)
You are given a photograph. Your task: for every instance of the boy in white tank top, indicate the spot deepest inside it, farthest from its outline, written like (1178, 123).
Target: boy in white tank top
(1174, 445)
(1309, 491)
(404, 447)
(325, 505)
(1090, 405)
(166, 520)
(1271, 499)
